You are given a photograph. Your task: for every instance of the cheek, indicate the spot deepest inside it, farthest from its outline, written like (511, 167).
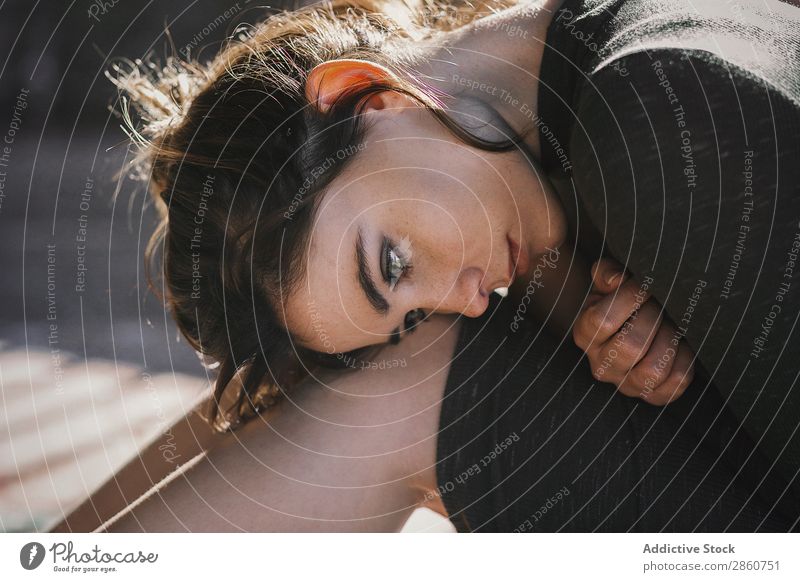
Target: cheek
(454, 213)
(440, 237)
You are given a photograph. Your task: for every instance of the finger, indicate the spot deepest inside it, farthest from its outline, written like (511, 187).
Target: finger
(598, 322)
(655, 367)
(632, 342)
(591, 299)
(679, 379)
(607, 275)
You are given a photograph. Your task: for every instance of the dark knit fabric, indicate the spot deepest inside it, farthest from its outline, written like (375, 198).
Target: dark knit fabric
(671, 130)
(529, 441)
(680, 122)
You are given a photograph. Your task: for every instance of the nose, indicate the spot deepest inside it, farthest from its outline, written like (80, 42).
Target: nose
(462, 296)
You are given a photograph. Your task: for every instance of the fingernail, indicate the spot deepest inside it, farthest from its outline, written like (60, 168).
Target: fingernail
(613, 278)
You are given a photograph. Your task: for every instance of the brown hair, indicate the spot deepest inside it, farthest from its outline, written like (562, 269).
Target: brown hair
(226, 146)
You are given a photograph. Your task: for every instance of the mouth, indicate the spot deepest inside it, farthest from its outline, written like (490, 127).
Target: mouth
(517, 263)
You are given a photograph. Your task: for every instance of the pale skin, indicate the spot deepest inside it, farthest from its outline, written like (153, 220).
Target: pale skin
(462, 211)
(353, 452)
(357, 452)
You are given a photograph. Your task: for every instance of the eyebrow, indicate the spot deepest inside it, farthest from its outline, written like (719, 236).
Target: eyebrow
(365, 280)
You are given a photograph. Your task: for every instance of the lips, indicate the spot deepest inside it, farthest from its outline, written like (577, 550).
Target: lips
(517, 265)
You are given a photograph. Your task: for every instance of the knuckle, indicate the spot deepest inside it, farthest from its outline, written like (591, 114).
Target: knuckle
(580, 337)
(680, 377)
(685, 381)
(656, 398)
(646, 378)
(670, 390)
(596, 319)
(606, 327)
(647, 324)
(630, 350)
(674, 386)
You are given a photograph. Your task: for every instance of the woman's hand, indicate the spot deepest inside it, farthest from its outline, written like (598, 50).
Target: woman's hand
(627, 340)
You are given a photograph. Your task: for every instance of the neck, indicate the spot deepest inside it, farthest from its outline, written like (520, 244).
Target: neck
(494, 61)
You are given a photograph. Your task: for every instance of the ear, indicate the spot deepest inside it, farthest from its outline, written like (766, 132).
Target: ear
(328, 80)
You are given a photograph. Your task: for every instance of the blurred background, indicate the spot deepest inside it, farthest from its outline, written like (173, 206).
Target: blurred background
(91, 368)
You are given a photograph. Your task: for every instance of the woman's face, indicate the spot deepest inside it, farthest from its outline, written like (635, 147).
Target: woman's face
(418, 220)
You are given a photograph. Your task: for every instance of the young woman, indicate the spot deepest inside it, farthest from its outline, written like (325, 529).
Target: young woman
(305, 169)
(340, 176)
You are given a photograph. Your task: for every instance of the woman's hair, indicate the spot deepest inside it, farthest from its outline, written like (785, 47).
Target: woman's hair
(232, 151)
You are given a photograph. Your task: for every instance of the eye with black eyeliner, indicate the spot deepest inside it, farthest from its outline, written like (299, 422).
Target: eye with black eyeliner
(395, 261)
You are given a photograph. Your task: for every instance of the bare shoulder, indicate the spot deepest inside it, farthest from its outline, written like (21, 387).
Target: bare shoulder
(400, 392)
(392, 400)
(352, 451)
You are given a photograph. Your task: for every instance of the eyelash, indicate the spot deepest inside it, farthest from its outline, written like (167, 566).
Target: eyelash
(390, 249)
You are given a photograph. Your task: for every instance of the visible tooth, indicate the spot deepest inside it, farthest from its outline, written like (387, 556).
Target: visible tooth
(502, 291)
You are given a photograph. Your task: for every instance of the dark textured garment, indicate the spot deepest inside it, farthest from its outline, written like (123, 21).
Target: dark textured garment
(680, 125)
(529, 441)
(673, 128)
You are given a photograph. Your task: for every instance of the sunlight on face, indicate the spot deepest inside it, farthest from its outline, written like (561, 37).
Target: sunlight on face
(417, 223)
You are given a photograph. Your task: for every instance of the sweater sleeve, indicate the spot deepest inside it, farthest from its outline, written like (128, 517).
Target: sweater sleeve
(690, 165)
